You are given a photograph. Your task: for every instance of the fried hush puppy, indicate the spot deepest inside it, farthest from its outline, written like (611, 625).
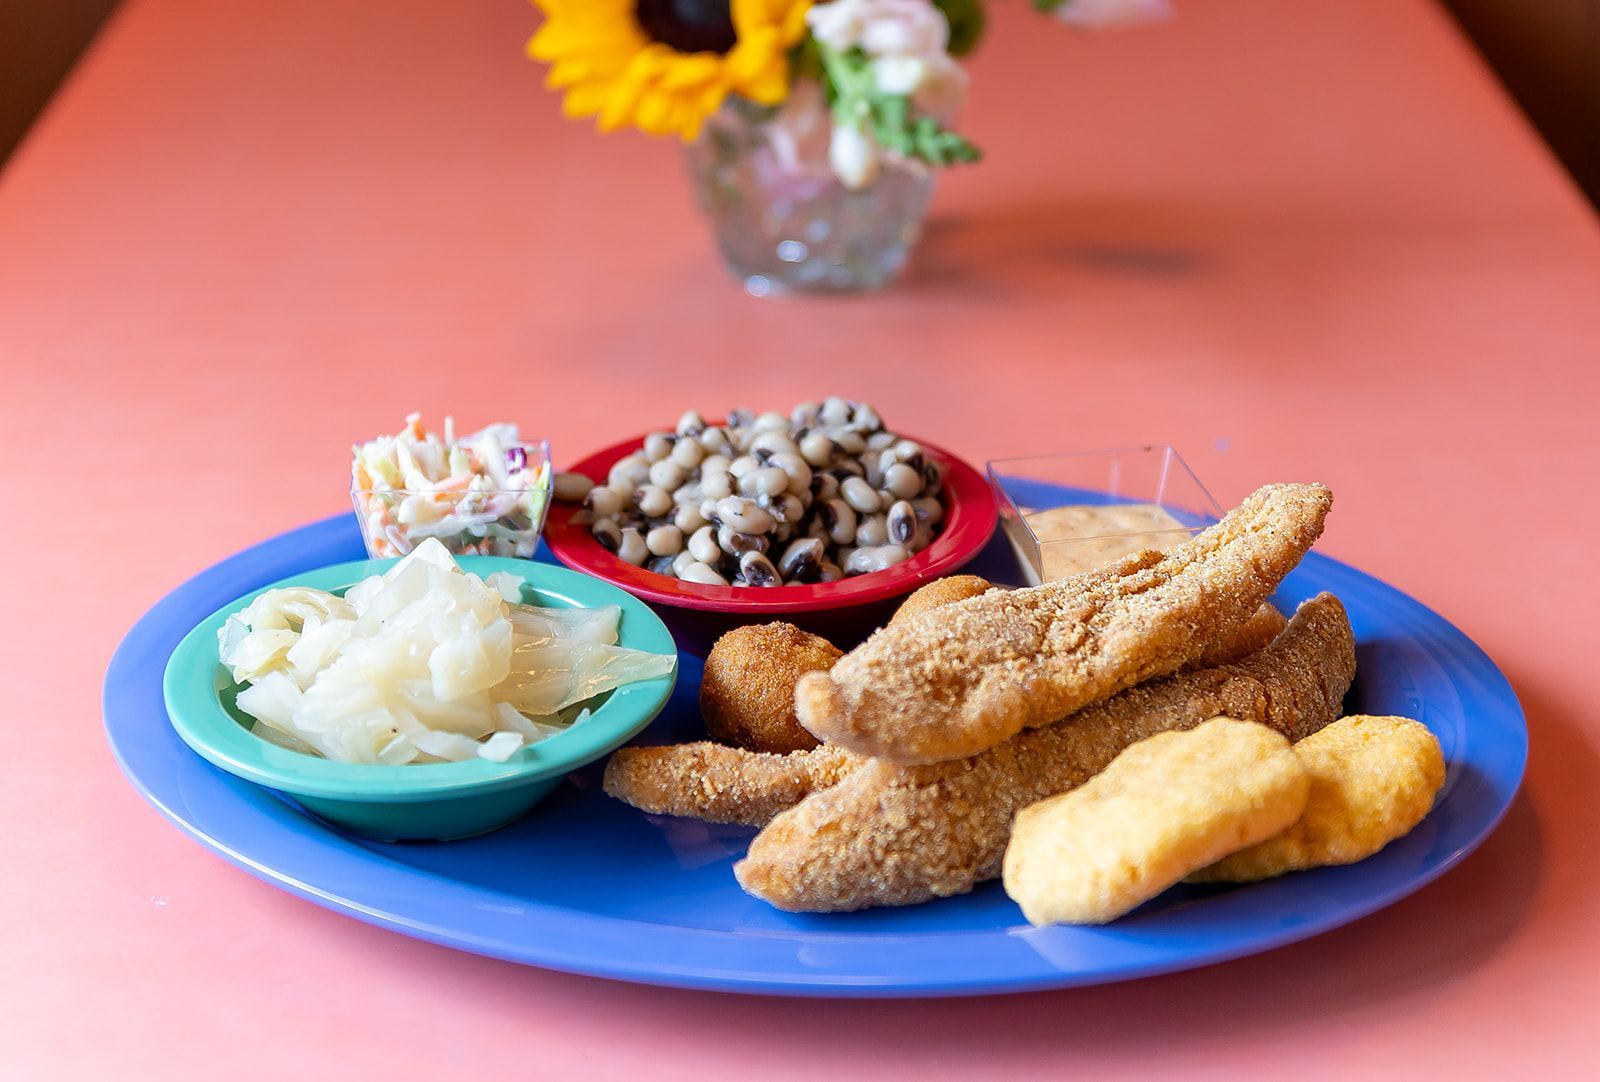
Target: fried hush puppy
(747, 694)
(731, 785)
(951, 682)
(940, 592)
(893, 835)
(1372, 780)
(1165, 807)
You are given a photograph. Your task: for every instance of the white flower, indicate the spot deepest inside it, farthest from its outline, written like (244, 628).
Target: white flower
(899, 74)
(943, 88)
(836, 25)
(854, 156)
(937, 85)
(1100, 14)
(906, 42)
(881, 27)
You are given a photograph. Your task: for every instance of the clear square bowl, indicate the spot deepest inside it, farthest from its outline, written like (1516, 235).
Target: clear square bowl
(1067, 513)
(467, 521)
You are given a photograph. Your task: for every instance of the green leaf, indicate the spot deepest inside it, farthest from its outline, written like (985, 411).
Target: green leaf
(852, 89)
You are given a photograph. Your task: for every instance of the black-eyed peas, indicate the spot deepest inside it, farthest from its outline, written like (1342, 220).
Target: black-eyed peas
(819, 494)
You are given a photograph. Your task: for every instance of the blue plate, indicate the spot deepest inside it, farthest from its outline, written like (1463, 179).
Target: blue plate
(588, 885)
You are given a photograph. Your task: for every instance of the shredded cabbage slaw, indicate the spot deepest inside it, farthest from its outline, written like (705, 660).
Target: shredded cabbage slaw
(482, 494)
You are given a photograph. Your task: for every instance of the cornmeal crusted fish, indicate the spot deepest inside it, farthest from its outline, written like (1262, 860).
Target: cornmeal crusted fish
(898, 835)
(960, 678)
(722, 784)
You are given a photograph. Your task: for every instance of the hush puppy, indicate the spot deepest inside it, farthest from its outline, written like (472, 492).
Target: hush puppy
(747, 693)
(1372, 780)
(1166, 807)
(939, 592)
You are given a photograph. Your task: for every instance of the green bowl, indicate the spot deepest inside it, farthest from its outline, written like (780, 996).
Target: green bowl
(427, 801)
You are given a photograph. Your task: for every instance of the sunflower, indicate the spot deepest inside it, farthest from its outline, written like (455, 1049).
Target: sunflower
(665, 65)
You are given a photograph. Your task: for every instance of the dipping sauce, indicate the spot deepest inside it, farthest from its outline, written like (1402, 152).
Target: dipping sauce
(1081, 537)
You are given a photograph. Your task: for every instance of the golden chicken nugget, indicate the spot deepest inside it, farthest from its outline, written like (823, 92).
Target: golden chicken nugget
(1164, 808)
(747, 693)
(943, 591)
(1372, 780)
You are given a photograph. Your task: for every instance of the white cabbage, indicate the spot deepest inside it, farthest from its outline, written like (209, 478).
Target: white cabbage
(421, 664)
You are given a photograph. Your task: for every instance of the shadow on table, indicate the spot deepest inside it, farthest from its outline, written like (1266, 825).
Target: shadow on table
(998, 251)
(986, 251)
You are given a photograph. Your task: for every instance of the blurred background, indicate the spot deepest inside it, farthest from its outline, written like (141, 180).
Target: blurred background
(1546, 52)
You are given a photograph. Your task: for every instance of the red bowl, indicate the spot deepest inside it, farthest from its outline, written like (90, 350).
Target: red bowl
(843, 611)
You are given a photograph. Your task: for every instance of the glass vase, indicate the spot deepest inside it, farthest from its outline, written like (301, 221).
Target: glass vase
(784, 222)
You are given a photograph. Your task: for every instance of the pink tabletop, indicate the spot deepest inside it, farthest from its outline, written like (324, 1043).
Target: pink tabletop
(1299, 241)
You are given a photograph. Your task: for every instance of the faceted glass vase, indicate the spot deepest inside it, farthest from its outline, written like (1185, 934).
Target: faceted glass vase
(784, 222)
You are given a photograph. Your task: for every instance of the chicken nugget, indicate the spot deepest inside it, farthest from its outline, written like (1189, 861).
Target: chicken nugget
(747, 693)
(940, 592)
(1372, 780)
(1164, 808)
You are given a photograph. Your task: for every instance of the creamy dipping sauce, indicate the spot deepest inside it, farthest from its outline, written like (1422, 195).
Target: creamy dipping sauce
(1082, 537)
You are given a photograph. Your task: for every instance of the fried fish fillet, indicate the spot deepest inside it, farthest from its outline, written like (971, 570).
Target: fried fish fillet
(898, 835)
(1165, 807)
(960, 678)
(720, 784)
(1256, 633)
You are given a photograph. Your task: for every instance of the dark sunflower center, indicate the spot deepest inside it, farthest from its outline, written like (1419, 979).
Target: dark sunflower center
(689, 26)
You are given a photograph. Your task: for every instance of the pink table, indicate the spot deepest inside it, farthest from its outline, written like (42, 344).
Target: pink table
(1298, 241)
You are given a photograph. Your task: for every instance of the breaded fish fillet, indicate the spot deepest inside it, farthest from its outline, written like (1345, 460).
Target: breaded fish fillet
(722, 784)
(731, 785)
(960, 678)
(897, 835)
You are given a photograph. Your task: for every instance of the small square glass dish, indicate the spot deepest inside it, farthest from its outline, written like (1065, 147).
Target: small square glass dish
(493, 506)
(1069, 513)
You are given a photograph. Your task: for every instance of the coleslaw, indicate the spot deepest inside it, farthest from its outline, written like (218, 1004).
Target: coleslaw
(485, 493)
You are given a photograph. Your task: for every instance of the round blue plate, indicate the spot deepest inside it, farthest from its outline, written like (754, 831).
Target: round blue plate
(589, 885)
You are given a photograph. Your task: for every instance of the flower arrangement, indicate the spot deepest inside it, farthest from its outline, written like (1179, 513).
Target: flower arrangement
(857, 89)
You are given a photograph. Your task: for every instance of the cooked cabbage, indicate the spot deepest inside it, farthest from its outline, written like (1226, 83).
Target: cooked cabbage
(424, 663)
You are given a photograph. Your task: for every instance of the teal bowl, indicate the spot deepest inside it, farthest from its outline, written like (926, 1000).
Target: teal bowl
(427, 801)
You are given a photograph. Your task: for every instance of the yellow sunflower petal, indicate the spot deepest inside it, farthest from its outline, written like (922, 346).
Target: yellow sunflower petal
(609, 66)
(655, 114)
(748, 14)
(710, 99)
(555, 40)
(691, 70)
(749, 59)
(584, 100)
(771, 86)
(794, 22)
(622, 99)
(566, 73)
(649, 62)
